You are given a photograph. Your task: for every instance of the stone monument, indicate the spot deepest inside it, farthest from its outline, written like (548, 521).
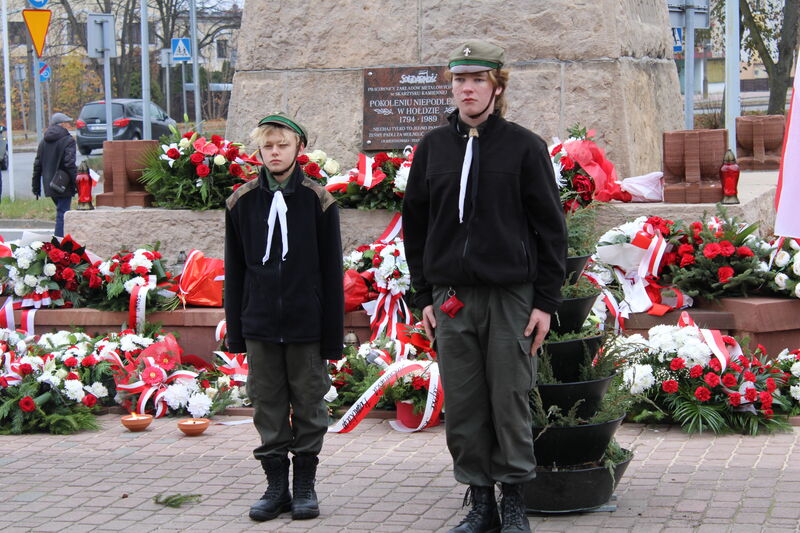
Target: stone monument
(606, 64)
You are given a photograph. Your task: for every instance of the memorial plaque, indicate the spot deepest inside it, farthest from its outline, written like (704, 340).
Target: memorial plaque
(403, 104)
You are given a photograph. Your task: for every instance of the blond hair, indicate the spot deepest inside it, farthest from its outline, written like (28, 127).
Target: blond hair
(498, 78)
(260, 133)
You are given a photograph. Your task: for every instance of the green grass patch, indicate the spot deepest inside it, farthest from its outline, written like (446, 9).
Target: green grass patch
(28, 209)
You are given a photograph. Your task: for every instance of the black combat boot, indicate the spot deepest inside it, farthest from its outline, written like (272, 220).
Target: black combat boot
(277, 499)
(483, 517)
(512, 509)
(304, 504)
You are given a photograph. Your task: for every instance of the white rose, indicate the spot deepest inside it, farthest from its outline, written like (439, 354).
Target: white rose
(780, 280)
(331, 167)
(49, 269)
(219, 160)
(318, 157)
(763, 266)
(184, 143)
(782, 259)
(796, 265)
(38, 244)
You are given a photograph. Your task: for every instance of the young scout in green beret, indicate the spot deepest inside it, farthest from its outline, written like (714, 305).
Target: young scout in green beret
(284, 306)
(484, 228)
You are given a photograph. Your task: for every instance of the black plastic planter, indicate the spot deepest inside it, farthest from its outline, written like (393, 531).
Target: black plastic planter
(575, 266)
(571, 314)
(573, 445)
(565, 395)
(566, 357)
(564, 491)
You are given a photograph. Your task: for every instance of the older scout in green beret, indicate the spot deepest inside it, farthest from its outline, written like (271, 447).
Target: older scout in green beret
(284, 305)
(486, 245)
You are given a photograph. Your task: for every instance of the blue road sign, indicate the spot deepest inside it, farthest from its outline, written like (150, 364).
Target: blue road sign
(38, 4)
(181, 49)
(44, 72)
(677, 40)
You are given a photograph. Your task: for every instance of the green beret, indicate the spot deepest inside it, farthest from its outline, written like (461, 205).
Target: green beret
(476, 56)
(281, 119)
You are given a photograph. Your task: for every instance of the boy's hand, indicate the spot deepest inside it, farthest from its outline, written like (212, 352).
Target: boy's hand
(540, 322)
(429, 321)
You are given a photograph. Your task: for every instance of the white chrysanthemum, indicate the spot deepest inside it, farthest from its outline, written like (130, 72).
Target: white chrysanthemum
(177, 396)
(37, 363)
(318, 157)
(133, 282)
(13, 273)
(364, 350)
(780, 280)
(224, 381)
(139, 259)
(49, 269)
(199, 405)
(236, 397)
(23, 252)
(30, 281)
(61, 373)
(36, 245)
(73, 388)
(98, 389)
(784, 355)
(401, 178)
(352, 260)
(133, 342)
(51, 379)
(794, 391)
(20, 289)
(211, 392)
(639, 378)
(332, 167)
(782, 258)
(23, 263)
(105, 268)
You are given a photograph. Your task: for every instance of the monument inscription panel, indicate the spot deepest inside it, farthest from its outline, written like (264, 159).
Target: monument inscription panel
(403, 104)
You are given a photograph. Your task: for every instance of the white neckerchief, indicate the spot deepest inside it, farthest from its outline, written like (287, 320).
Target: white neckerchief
(279, 209)
(465, 168)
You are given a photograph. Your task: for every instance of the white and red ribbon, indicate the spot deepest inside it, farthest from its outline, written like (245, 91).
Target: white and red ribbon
(7, 315)
(26, 326)
(138, 304)
(712, 338)
(367, 176)
(433, 403)
(394, 229)
(390, 309)
(221, 330)
(235, 366)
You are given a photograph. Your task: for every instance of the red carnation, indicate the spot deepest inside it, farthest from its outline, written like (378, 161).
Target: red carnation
(711, 250)
(55, 255)
(25, 369)
(714, 365)
(702, 394)
(726, 248)
(377, 260)
(203, 170)
(125, 268)
(670, 386)
(744, 251)
(711, 379)
(735, 399)
(312, 169)
(397, 161)
(141, 270)
(205, 384)
(771, 386)
(173, 153)
(74, 259)
(556, 149)
(765, 397)
(687, 260)
(72, 375)
(670, 258)
(3, 382)
(729, 380)
(302, 159)
(696, 371)
(71, 362)
(567, 163)
(235, 169)
(27, 404)
(685, 249)
(769, 413)
(677, 364)
(89, 400)
(197, 158)
(749, 376)
(89, 360)
(725, 274)
(733, 366)
(750, 394)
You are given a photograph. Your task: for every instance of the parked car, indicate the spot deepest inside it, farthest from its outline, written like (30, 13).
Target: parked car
(3, 149)
(126, 114)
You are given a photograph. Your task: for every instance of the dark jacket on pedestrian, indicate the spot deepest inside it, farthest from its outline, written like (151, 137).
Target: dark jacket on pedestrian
(57, 150)
(513, 229)
(296, 300)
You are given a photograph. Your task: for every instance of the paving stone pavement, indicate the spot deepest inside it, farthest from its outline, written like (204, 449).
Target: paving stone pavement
(376, 479)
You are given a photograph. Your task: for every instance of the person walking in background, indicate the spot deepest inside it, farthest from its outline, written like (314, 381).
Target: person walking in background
(56, 155)
(486, 245)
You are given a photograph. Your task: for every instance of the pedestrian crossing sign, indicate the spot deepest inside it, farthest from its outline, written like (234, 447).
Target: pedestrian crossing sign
(181, 49)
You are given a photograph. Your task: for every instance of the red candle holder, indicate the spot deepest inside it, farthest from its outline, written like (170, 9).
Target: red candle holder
(729, 176)
(84, 183)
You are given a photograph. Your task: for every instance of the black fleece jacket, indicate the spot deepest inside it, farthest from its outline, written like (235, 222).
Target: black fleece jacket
(55, 142)
(299, 299)
(513, 233)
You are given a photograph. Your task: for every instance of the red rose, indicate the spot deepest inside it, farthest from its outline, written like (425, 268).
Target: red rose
(89, 360)
(302, 159)
(726, 248)
(3, 382)
(771, 386)
(377, 260)
(173, 153)
(216, 139)
(141, 270)
(711, 379)
(312, 169)
(197, 158)
(203, 170)
(670, 386)
(25, 369)
(686, 249)
(750, 394)
(687, 260)
(570, 206)
(232, 153)
(711, 250)
(188, 135)
(677, 364)
(567, 163)
(669, 258)
(749, 376)
(125, 268)
(702, 394)
(235, 170)
(205, 384)
(89, 400)
(744, 251)
(729, 380)
(27, 404)
(735, 399)
(696, 371)
(380, 159)
(714, 365)
(725, 274)
(71, 362)
(583, 186)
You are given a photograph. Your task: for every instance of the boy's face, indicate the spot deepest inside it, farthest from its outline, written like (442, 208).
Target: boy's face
(473, 91)
(279, 151)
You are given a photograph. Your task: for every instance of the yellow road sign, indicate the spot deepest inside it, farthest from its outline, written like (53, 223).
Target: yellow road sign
(37, 21)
